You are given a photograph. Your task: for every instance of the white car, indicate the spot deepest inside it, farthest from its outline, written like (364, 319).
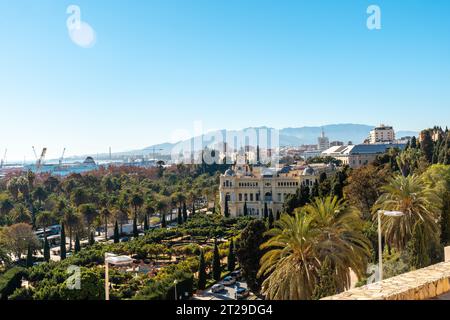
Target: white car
(217, 288)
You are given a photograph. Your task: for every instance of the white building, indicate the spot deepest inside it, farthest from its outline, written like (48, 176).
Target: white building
(323, 143)
(382, 134)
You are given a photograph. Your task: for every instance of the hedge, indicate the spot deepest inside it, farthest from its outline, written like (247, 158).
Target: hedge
(10, 281)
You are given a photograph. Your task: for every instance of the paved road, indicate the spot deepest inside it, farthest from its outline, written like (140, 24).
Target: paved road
(445, 296)
(228, 294)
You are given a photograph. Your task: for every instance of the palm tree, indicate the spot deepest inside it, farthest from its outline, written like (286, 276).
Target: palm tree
(300, 243)
(419, 204)
(105, 213)
(44, 219)
(90, 213)
(72, 220)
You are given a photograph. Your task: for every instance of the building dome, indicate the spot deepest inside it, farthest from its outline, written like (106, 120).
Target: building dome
(89, 161)
(229, 173)
(308, 171)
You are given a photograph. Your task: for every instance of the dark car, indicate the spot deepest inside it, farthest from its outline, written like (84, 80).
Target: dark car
(242, 293)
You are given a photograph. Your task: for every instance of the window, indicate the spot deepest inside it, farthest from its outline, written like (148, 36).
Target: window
(279, 197)
(257, 197)
(245, 197)
(240, 196)
(251, 196)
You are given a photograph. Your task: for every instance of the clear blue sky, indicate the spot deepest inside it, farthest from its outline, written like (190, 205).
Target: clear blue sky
(160, 65)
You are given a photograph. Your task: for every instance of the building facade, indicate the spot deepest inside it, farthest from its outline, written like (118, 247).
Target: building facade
(259, 186)
(382, 134)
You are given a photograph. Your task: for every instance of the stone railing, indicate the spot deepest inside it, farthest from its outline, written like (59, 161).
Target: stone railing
(420, 284)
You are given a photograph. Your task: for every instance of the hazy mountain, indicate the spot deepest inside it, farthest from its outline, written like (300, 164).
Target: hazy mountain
(355, 133)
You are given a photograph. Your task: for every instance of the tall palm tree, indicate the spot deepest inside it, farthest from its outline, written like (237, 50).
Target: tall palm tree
(72, 221)
(89, 213)
(300, 243)
(419, 204)
(105, 213)
(44, 219)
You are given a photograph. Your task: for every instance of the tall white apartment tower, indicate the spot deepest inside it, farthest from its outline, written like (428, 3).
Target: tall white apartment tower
(382, 134)
(323, 142)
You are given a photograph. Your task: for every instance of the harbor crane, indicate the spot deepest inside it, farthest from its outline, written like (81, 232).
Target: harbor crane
(3, 161)
(40, 161)
(62, 157)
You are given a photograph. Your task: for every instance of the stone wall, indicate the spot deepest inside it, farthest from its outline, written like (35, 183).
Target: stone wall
(420, 284)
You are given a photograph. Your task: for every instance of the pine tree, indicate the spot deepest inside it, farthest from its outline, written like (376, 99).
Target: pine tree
(226, 209)
(135, 228)
(63, 252)
(245, 209)
(185, 213)
(201, 285)
(163, 221)
(116, 233)
(327, 284)
(77, 243)
(413, 143)
(180, 217)
(231, 256)
(29, 257)
(216, 268)
(46, 250)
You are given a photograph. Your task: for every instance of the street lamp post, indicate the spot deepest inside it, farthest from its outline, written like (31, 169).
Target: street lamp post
(380, 250)
(175, 282)
(115, 260)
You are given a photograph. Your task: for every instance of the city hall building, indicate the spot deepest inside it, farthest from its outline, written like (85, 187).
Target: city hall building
(258, 185)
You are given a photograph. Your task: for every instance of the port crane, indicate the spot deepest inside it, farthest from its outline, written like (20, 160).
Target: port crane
(40, 160)
(62, 157)
(3, 161)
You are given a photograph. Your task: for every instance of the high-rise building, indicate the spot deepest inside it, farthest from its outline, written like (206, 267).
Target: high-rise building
(323, 142)
(382, 134)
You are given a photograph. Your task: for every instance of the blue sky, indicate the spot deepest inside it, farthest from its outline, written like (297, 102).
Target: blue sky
(159, 65)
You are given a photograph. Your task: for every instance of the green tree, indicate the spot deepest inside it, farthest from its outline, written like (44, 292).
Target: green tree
(63, 252)
(249, 253)
(202, 272)
(77, 243)
(135, 228)
(245, 209)
(180, 217)
(185, 213)
(46, 250)
(231, 256)
(29, 262)
(419, 250)
(266, 211)
(116, 233)
(163, 221)
(91, 239)
(270, 220)
(326, 285)
(325, 228)
(216, 267)
(427, 145)
(226, 210)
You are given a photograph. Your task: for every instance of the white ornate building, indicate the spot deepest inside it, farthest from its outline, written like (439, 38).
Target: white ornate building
(258, 185)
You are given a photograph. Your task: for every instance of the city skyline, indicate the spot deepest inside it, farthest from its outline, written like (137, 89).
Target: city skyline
(158, 67)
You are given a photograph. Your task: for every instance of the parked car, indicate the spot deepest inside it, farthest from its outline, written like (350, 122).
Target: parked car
(228, 281)
(237, 274)
(217, 288)
(125, 239)
(242, 293)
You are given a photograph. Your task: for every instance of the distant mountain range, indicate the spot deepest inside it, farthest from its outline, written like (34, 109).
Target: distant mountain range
(356, 133)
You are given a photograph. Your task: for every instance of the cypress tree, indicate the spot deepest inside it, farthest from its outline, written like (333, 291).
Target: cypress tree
(146, 222)
(327, 284)
(77, 243)
(29, 257)
(116, 233)
(413, 143)
(226, 209)
(245, 209)
(91, 239)
(231, 256)
(445, 220)
(185, 213)
(63, 242)
(135, 228)
(315, 190)
(180, 217)
(163, 221)
(270, 220)
(278, 215)
(193, 208)
(216, 268)
(46, 250)
(419, 249)
(201, 285)
(266, 211)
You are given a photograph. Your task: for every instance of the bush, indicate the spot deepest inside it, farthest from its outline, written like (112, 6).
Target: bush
(10, 281)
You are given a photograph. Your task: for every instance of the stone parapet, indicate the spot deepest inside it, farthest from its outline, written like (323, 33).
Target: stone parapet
(420, 284)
